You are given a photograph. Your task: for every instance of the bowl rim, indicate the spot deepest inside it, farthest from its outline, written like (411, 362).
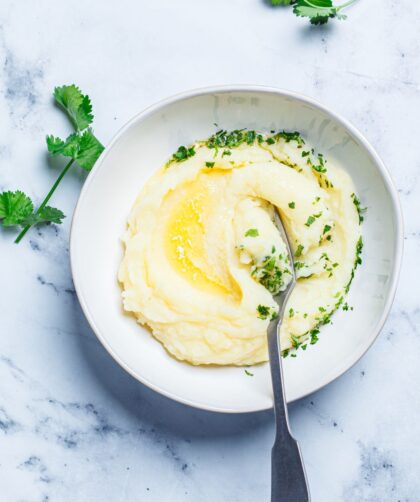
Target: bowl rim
(225, 89)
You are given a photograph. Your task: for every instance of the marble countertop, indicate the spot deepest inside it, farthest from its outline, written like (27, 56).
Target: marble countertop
(73, 425)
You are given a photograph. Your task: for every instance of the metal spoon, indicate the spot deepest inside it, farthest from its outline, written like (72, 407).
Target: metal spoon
(288, 478)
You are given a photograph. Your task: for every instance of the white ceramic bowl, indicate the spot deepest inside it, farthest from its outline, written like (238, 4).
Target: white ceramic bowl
(139, 149)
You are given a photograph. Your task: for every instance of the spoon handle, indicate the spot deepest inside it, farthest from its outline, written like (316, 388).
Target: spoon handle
(288, 478)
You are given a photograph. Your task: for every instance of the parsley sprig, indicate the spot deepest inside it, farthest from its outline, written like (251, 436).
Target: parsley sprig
(81, 147)
(317, 11)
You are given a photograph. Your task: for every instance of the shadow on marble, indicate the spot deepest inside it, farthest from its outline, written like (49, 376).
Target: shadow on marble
(152, 408)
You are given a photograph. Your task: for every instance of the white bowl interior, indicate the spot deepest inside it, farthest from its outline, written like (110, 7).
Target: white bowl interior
(141, 148)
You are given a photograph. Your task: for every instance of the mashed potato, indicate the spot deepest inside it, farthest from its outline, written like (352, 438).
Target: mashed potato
(203, 257)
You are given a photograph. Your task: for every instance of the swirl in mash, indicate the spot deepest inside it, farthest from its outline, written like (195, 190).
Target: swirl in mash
(203, 256)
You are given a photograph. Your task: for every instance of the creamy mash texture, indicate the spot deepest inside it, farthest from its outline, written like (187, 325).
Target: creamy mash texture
(203, 257)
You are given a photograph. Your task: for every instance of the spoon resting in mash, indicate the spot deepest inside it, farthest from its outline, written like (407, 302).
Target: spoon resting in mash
(288, 478)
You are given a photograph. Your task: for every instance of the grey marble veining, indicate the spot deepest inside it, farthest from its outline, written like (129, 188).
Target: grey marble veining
(76, 427)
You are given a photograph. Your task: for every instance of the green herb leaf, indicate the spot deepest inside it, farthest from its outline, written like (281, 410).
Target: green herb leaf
(359, 249)
(249, 373)
(68, 148)
(319, 11)
(263, 312)
(210, 164)
(84, 148)
(360, 210)
(76, 104)
(299, 250)
(46, 215)
(81, 146)
(15, 207)
(296, 343)
(311, 219)
(89, 150)
(252, 232)
(292, 205)
(290, 136)
(314, 336)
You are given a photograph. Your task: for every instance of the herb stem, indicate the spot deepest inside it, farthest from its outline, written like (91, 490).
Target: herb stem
(47, 198)
(346, 4)
(339, 7)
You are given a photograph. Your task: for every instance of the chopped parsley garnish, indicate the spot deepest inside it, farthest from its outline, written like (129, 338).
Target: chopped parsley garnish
(320, 168)
(233, 139)
(299, 250)
(290, 136)
(250, 137)
(327, 228)
(263, 312)
(305, 154)
(314, 335)
(269, 274)
(249, 373)
(359, 248)
(183, 153)
(252, 232)
(311, 219)
(291, 312)
(295, 341)
(226, 152)
(360, 210)
(210, 164)
(292, 205)
(357, 261)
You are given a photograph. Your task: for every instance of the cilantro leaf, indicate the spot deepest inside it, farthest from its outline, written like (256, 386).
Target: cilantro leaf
(67, 148)
(76, 104)
(90, 148)
(55, 145)
(47, 214)
(81, 146)
(84, 148)
(319, 11)
(15, 207)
